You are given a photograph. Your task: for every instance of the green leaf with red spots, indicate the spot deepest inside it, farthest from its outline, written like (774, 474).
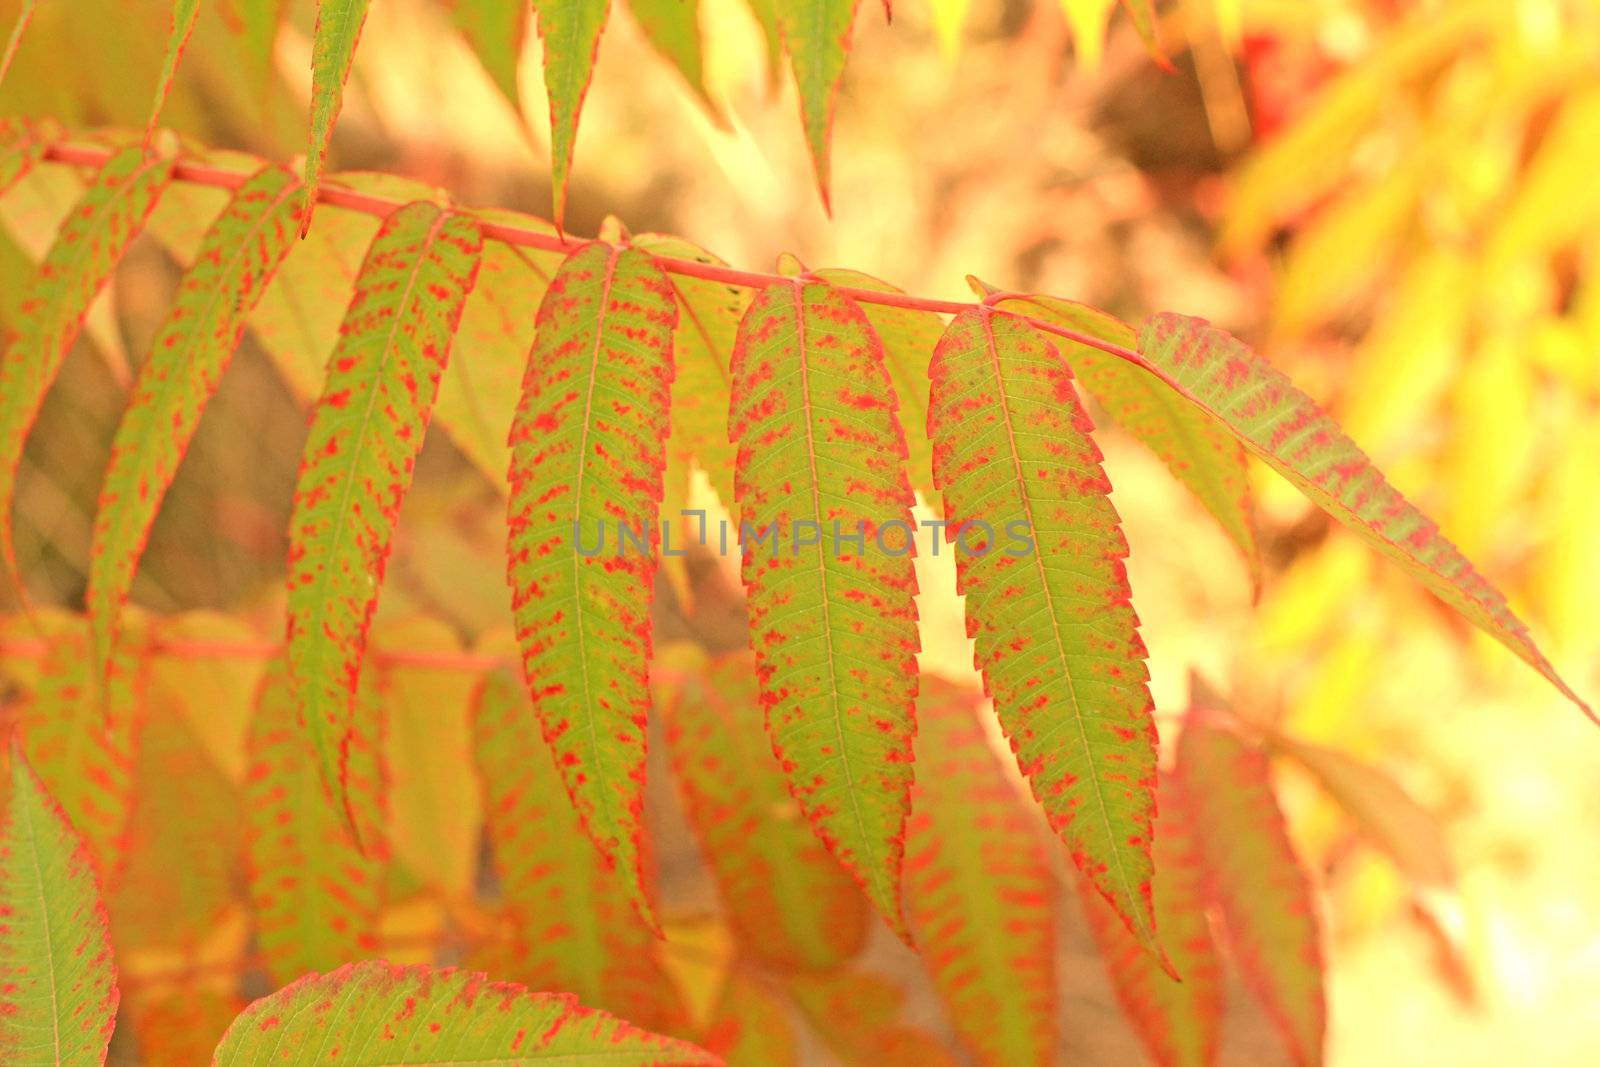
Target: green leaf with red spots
(58, 985)
(788, 901)
(1197, 449)
(588, 450)
(191, 351)
(83, 748)
(494, 30)
(673, 28)
(833, 624)
(570, 30)
(314, 894)
(1255, 880)
(51, 312)
(14, 41)
(569, 922)
(1179, 1022)
(1283, 426)
(817, 37)
(333, 50)
(366, 432)
(1040, 558)
(184, 14)
(979, 890)
(377, 1013)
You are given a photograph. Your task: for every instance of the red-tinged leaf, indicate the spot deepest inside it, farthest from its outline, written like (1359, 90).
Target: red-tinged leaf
(187, 359)
(184, 13)
(15, 40)
(1253, 876)
(570, 30)
(22, 144)
(366, 433)
(51, 312)
(1179, 1022)
(314, 893)
(857, 1015)
(833, 624)
(1197, 449)
(58, 984)
(788, 901)
(571, 922)
(1039, 557)
(588, 449)
(750, 1026)
(377, 1013)
(494, 30)
(673, 28)
(333, 50)
(817, 37)
(909, 337)
(1381, 810)
(1284, 426)
(84, 749)
(183, 866)
(708, 321)
(979, 890)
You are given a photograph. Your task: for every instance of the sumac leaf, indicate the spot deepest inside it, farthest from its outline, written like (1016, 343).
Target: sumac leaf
(1039, 556)
(184, 13)
(833, 624)
(816, 34)
(333, 50)
(494, 30)
(570, 30)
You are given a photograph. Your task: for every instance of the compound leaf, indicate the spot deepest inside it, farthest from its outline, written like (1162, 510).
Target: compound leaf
(51, 312)
(1252, 875)
(237, 258)
(366, 432)
(979, 890)
(377, 1013)
(333, 50)
(1039, 557)
(1282, 425)
(58, 985)
(588, 449)
(821, 471)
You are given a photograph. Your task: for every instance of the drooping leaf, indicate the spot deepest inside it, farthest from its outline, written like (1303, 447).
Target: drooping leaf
(832, 620)
(908, 337)
(314, 894)
(366, 433)
(673, 27)
(190, 352)
(24, 16)
(1282, 425)
(1039, 557)
(333, 50)
(58, 985)
(708, 321)
(377, 1013)
(572, 923)
(816, 35)
(1253, 876)
(588, 450)
(570, 30)
(979, 890)
(184, 13)
(1198, 450)
(788, 901)
(257, 22)
(1381, 810)
(22, 144)
(1179, 1022)
(84, 749)
(494, 30)
(749, 1025)
(51, 312)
